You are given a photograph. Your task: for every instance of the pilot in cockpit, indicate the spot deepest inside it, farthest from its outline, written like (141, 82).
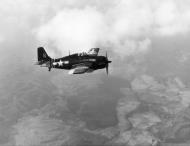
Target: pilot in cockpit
(82, 54)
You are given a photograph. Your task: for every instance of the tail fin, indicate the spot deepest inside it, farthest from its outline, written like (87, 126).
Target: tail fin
(42, 55)
(93, 51)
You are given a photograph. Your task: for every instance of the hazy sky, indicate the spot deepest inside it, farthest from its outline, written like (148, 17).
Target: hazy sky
(126, 28)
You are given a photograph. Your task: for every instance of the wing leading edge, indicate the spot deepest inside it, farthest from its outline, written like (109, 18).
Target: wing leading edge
(79, 70)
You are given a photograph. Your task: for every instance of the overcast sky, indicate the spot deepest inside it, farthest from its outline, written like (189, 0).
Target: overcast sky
(125, 28)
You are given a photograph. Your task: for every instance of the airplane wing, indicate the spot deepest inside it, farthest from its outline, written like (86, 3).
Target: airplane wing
(80, 68)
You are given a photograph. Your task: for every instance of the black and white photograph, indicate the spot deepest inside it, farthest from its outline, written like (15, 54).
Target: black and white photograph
(94, 72)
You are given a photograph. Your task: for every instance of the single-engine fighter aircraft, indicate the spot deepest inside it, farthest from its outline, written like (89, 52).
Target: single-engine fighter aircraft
(77, 63)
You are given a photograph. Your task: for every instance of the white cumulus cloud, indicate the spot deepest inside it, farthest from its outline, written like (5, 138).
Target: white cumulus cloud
(124, 26)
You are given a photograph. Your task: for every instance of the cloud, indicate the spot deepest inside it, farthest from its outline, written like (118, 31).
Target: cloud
(41, 131)
(1, 39)
(126, 27)
(144, 120)
(136, 137)
(73, 29)
(81, 29)
(146, 82)
(73, 85)
(120, 19)
(172, 17)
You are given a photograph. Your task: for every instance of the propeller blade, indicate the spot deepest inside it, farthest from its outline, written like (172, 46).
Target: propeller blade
(107, 63)
(107, 71)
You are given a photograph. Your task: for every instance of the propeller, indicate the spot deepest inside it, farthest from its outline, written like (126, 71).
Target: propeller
(107, 63)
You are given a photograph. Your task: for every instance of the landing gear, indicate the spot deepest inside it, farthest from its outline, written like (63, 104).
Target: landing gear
(51, 61)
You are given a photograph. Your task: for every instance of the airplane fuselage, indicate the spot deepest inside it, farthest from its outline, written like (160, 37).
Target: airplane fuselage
(77, 63)
(68, 62)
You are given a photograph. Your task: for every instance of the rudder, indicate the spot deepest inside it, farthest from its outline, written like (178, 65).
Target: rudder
(42, 55)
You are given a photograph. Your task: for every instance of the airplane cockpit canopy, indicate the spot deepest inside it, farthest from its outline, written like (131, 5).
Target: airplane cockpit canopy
(82, 54)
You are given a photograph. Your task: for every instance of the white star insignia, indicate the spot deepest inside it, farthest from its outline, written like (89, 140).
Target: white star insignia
(60, 63)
